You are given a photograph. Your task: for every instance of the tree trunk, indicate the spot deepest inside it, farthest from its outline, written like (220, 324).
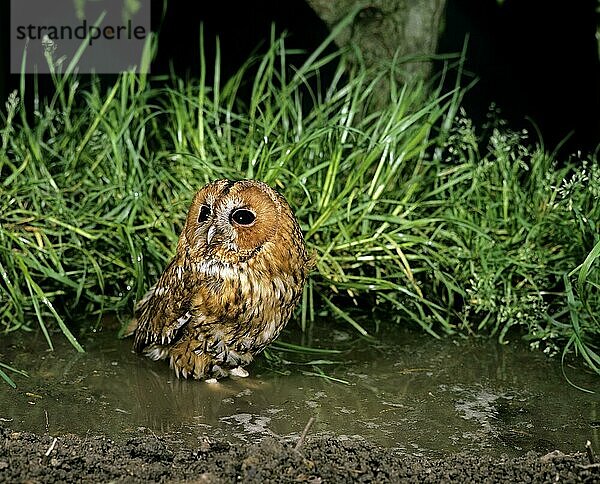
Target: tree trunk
(382, 29)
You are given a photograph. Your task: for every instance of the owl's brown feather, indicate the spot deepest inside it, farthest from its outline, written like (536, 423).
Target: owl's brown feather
(233, 284)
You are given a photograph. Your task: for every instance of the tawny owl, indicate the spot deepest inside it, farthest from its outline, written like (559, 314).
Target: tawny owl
(237, 275)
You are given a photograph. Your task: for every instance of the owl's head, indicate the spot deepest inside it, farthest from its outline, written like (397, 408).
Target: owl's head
(231, 221)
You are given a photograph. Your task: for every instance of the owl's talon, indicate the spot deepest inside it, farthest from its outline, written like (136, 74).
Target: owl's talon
(211, 381)
(239, 371)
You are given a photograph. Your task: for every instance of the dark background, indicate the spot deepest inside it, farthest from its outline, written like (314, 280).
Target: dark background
(536, 60)
(533, 58)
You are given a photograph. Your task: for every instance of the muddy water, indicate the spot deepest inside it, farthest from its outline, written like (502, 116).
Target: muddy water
(406, 390)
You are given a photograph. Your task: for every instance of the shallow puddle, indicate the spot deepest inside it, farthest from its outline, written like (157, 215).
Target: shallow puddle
(406, 391)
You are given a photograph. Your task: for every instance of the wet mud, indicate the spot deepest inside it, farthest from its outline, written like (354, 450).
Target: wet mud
(405, 408)
(28, 457)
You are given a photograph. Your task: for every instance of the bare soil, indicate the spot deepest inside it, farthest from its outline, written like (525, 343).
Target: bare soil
(28, 457)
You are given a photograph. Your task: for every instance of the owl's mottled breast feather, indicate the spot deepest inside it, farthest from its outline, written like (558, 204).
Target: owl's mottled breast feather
(237, 302)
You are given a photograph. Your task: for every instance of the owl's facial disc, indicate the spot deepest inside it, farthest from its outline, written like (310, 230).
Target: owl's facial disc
(229, 219)
(223, 228)
(217, 233)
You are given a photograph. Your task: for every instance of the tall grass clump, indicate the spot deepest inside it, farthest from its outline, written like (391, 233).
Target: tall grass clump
(412, 218)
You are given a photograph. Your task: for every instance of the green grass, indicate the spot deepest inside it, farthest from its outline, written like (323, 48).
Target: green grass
(409, 212)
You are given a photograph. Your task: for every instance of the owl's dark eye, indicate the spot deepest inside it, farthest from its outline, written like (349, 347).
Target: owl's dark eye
(242, 216)
(204, 213)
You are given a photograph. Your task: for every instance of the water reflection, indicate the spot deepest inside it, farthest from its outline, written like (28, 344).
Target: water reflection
(412, 393)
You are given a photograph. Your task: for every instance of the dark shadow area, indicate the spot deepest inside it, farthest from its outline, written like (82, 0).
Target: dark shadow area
(533, 59)
(4, 52)
(243, 28)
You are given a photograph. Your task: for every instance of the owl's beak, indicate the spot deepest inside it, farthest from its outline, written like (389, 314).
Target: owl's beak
(211, 233)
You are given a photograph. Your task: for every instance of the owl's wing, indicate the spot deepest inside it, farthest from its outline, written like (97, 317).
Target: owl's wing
(165, 309)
